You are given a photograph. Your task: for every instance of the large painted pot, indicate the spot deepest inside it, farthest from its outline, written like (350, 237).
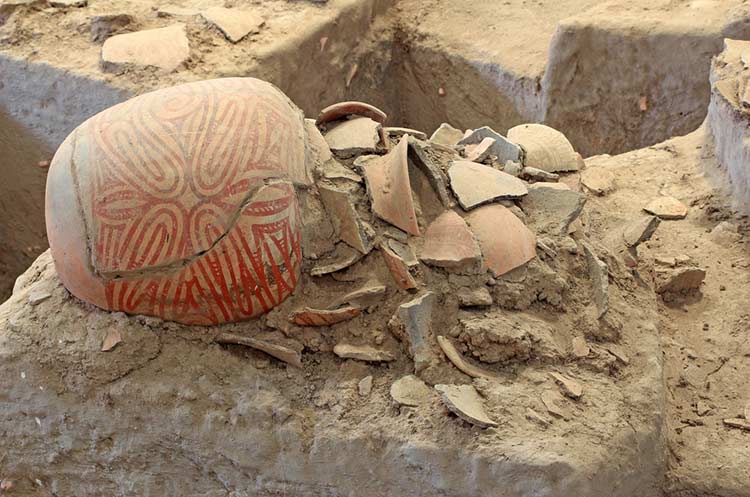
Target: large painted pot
(181, 203)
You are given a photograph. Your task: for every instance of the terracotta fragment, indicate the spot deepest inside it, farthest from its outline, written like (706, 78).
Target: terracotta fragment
(280, 352)
(552, 207)
(362, 353)
(739, 423)
(344, 257)
(363, 297)
(506, 243)
(502, 148)
(111, 340)
(323, 317)
(364, 387)
(397, 132)
(640, 230)
(199, 226)
(344, 217)
(545, 148)
(555, 404)
(457, 359)
(449, 243)
(446, 135)
(235, 24)
(569, 387)
(416, 316)
(398, 268)
(360, 135)
(683, 279)
(464, 401)
(404, 251)
(599, 274)
(343, 109)
(163, 48)
(480, 151)
(475, 184)
(666, 208)
(424, 161)
(389, 188)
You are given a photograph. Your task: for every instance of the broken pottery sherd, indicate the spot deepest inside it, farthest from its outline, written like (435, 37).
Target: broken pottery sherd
(411, 391)
(344, 217)
(464, 401)
(420, 156)
(552, 207)
(323, 317)
(397, 132)
(685, 279)
(164, 48)
(537, 175)
(640, 230)
(351, 137)
(199, 226)
(398, 269)
(474, 297)
(235, 24)
(388, 185)
(344, 109)
(598, 180)
(568, 386)
(446, 135)
(506, 243)
(362, 353)
(449, 243)
(364, 297)
(458, 360)
(555, 404)
(343, 257)
(668, 208)
(404, 251)
(740, 423)
(416, 316)
(475, 184)
(112, 339)
(502, 148)
(480, 151)
(545, 148)
(599, 274)
(364, 386)
(280, 352)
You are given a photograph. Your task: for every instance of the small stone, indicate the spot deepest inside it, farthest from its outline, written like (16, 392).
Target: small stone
(555, 404)
(534, 174)
(449, 243)
(513, 168)
(111, 340)
(105, 25)
(568, 386)
(681, 280)
(581, 349)
(739, 423)
(362, 353)
(475, 184)
(665, 261)
(502, 148)
(702, 409)
(618, 354)
(176, 11)
(38, 296)
(480, 151)
(163, 48)
(365, 386)
(6, 485)
(666, 208)
(416, 316)
(640, 230)
(599, 274)
(474, 297)
(537, 418)
(446, 135)
(682, 259)
(323, 317)
(410, 391)
(464, 401)
(234, 23)
(598, 180)
(353, 137)
(68, 3)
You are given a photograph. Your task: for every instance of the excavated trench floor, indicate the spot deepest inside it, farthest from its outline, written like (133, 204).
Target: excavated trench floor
(613, 77)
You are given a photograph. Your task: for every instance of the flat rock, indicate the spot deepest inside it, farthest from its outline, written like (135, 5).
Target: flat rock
(640, 230)
(666, 208)
(475, 184)
(176, 11)
(568, 386)
(725, 233)
(345, 219)
(681, 280)
(598, 180)
(502, 148)
(334, 170)
(552, 209)
(323, 317)
(342, 110)
(235, 24)
(545, 148)
(449, 243)
(506, 243)
(398, 268)
(446, 135)
(599, 274)
(353, 137)
(464, 401)
(388, 185)
(362, 353)
(164, 48)
(416, 316)
(474, 297)
(410, 391)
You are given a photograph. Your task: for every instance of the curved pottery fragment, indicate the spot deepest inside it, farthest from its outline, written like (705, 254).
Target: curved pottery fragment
(342, 109)
(505, 241)
(545, 148)
(180, 203)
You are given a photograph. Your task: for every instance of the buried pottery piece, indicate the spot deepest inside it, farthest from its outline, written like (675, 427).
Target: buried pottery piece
(180, 203)
(545, 148)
